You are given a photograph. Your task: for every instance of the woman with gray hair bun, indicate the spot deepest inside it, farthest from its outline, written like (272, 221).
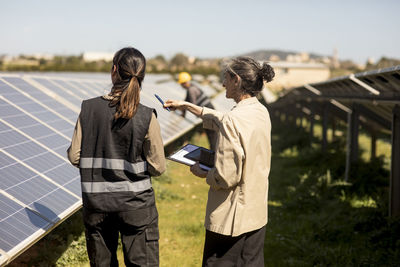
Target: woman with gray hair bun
(236, 214)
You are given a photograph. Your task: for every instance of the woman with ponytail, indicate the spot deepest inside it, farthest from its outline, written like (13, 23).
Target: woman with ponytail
(117, 146)
(236, 213)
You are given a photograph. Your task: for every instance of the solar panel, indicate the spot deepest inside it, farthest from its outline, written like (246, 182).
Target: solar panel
(63, 92)
(18, 224)
(36, 147)
(16, 88)
(39, 187)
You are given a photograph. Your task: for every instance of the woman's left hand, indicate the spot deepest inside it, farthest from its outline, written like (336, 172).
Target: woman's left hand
(198, 171)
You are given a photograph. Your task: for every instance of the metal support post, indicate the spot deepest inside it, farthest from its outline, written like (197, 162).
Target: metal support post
(324, 128)
(354, 135)
(352, 140)
(333, 130)
(394, 205)
(311, 126)
(373, 145)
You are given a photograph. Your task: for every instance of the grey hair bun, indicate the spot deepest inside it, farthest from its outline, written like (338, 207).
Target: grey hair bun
(267, 72)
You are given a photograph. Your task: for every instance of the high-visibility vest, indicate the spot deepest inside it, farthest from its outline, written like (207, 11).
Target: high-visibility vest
(113, 167)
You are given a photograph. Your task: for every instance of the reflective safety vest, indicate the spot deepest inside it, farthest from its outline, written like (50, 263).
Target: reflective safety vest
(113, 167)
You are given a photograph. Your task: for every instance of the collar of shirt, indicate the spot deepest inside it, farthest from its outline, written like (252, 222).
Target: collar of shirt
(247, 101)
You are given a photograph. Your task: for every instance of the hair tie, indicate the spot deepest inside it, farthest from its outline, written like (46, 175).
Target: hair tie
(137, 79)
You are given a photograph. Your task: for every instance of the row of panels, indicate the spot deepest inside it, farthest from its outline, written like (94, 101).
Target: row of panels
(375, 92)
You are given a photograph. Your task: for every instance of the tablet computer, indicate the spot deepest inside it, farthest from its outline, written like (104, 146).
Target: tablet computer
(202, 155)
(190, 154)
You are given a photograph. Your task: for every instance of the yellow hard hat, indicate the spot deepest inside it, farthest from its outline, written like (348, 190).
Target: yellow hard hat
(184, 77)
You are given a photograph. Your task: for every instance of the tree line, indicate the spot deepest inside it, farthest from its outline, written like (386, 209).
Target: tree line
(157, 64)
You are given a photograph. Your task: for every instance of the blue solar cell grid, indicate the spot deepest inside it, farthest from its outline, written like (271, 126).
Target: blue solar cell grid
(18, 223)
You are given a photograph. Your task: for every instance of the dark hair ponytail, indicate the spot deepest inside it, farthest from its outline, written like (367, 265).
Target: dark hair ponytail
(130, 69)
(252, 75)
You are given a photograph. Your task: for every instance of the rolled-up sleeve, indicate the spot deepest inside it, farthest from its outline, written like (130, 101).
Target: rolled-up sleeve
(153, 148)
(229, 156)
(74, 150)
(211, 118)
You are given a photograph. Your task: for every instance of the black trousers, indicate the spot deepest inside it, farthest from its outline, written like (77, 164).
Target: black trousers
(227, 251)
(139, 236)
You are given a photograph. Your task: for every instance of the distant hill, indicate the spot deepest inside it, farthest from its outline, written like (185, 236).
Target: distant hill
(265, 54)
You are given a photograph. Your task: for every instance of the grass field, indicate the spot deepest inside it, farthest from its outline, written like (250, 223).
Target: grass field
(315, 218)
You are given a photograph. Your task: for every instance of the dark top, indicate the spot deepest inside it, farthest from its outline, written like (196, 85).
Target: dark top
(196, 96)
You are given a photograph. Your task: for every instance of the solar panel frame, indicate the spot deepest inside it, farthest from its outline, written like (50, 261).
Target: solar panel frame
(346, 91)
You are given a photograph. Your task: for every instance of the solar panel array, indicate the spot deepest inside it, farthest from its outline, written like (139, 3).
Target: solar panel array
(371, 99)
(38, 187)
(374, 92)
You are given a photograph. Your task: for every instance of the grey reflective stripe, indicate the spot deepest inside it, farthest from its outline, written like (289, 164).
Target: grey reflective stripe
(113, 164)
(109, 187)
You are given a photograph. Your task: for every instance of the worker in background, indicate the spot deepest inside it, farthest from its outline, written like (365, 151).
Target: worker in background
(196, 96)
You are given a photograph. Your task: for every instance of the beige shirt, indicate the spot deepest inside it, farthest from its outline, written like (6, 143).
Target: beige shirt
(238, 196)
(153, 147)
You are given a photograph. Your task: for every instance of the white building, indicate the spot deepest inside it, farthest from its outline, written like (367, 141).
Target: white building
(292, 74)
(96, 56)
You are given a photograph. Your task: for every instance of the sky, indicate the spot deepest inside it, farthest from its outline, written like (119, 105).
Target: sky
(357, 29)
